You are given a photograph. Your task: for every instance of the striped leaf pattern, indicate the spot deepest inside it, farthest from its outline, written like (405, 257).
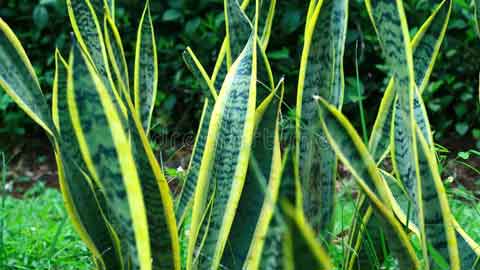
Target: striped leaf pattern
(321, 73)
(425, 45)
(82, 198)
(354, 154)
(225, 166)
(146, 70)
(108, 157)
(390, 23)
(440, 234)
(259, 195)
(116, 55)
(18, 79)
(88, 32)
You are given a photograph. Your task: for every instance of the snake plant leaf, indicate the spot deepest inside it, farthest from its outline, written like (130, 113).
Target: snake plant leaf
(146, 69)
(158, 201)
(354, 155)
(18, 79)
(468, 249)
(81, 201)
(106, 150)
(227, 151)
(321, 73)
(267, 13)
(390, 23)
(199, 72)
(186, 195)
(424, 57)
(116, 54)
(189, 186)
(440, 234)
(88, 33)
(238, 28)
(301, 243)
(273, 255)
(258, 199)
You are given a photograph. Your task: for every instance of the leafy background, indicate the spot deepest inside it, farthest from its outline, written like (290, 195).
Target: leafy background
(451, 98)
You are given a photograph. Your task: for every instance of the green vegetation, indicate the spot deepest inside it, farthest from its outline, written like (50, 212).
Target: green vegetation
(37, 235)
(260, 189)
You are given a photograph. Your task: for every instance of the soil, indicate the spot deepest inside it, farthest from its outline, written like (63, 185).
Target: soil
(33, 161)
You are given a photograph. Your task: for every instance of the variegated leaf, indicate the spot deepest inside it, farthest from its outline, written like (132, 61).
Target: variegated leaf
(424, 56)
(83, 199)
(258, 199)
(302, 250)
(146, 70)
(191, 178)
(18, 79)
(88, 33)
(107, 153)
(227, 153)
(117, 58)
(354, 155)
(321, 73)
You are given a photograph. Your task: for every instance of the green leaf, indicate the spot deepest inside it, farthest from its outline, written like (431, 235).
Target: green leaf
(83, 200)
(301, 244)
(88, 32)
(238, 28)
(321, 74)
(116, 54)
(18, 79)
(171, 15)
(225, 165)
(440, 233)
(354, 155)
(101, 135)
(259, 196)
(462, 128)
(146, 70)
(424, 57)
(40, 17)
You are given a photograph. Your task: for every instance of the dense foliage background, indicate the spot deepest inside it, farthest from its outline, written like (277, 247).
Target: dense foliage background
(452, 97)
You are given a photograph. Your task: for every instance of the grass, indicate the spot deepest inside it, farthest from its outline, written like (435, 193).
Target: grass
(37, 235)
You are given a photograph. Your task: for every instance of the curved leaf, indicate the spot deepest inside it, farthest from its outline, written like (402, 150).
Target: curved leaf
(354, 155)
(18, 79)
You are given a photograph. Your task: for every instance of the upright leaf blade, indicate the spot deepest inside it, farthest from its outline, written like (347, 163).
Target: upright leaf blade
(321, 73)
(108, 156)
(440, 233)
(146, 70)
(424, 57)
(227, 153)
(259, 195)
(305, 251)
(116, 55)
(80, 195)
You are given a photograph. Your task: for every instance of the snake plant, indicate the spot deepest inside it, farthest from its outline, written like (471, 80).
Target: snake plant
(250, 200)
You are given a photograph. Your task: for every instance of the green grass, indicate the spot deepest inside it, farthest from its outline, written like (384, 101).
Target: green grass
(37, 235)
